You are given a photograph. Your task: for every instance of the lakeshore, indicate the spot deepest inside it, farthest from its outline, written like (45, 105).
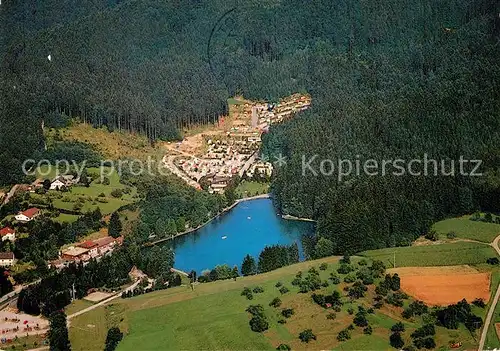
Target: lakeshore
(224, 211)
(246, 228)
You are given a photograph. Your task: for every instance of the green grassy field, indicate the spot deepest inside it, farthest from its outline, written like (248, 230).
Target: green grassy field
(96, 195)
(66, 218)
(464, 228)
(434, 255)
(249, 188)
(213, 317)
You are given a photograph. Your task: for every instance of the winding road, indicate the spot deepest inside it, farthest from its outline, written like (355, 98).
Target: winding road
(493, 305)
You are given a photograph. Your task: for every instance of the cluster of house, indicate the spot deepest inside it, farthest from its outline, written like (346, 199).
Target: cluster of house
(64, 181)
(236, 152)
(263, 115)
(8, 259)
(87, 250)
(260, 168)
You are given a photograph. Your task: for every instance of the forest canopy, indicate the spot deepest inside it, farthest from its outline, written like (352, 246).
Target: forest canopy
(394, 78)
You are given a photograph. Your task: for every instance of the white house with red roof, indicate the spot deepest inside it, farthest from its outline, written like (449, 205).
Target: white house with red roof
(28, 215)
(8, 233)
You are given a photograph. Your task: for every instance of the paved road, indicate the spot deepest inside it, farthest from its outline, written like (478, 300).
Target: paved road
(493, 305)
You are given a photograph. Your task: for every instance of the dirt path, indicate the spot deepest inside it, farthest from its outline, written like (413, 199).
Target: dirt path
(493, 305)
(117, 295)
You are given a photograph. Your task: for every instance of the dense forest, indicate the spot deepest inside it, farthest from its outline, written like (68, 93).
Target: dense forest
(389, 79)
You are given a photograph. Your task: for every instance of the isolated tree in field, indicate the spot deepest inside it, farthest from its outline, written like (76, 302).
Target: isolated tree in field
(113, 338)
(396, 340)
(248, 267)
(307, 335)
(58, 333)
(115, 226)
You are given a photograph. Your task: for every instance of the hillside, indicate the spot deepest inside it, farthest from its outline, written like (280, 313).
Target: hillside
(213, 316)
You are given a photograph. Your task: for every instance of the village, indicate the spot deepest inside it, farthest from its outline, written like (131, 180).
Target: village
(212, 158)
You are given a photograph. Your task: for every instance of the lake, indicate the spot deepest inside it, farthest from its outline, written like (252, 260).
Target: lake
(248, 228)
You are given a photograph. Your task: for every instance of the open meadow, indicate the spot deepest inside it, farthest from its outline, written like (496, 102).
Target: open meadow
(109, 195)
(464, 228)
(213, 317)
(450, 254)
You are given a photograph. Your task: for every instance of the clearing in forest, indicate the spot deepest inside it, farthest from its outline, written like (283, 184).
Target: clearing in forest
(444, 285)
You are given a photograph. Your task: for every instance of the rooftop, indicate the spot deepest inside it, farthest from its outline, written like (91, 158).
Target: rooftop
(75, 251)
(6, 255)
(30, 212)
(7, 230)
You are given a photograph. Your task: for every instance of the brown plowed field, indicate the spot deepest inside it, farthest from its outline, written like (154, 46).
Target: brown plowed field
(444, 285)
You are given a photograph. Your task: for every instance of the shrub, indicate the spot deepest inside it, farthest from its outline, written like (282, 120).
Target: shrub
(344, 269)
(258, 290)
(284, 290)
(319, 299)
(398, 327)
(283, 347)
(346, 259)
(323, 266)
(276, 302)
(396, 341)
(479, 303)
(331, 316)
(425, 343)
(334, 278)
(493, 261)
(282, 321)
(451, 235)
(278, 285)
(431, 235)
(307, 335)
(422, 332)
(368, 330)
(325, 284)
(415, 308)
(350, 278)
(392, 299)
(255, 310)
(101, 195)
(360, 319)
(246, 292)
(258, 324)
(357, 290)
(343, 335)
(350, 310)
(296, 281)
(287, 312)
(117, 193)
(362, 262)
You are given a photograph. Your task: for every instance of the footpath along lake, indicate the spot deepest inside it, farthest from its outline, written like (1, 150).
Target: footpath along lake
(245, 229)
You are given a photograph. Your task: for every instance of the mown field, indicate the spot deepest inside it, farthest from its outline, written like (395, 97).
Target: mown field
(213, 317)
(464, 228)
(250, 188)
(449, 254)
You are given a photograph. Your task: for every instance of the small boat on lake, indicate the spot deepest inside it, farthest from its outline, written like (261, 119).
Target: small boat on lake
(224, 237)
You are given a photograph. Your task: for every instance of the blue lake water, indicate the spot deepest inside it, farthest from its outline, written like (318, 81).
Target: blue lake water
(248, 228)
